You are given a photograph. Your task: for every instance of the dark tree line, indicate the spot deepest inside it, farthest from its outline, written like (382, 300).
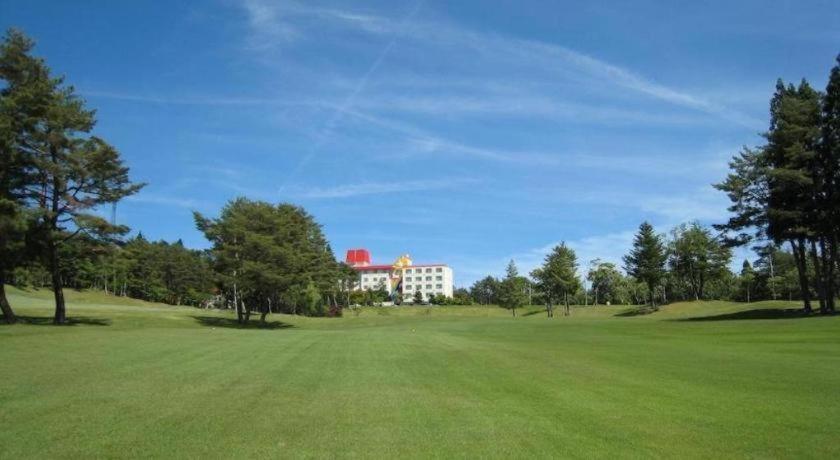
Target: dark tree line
(785, 191)
(153, 271)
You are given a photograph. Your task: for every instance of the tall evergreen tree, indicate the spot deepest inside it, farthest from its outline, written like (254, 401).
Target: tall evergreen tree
(646, 260)
(557, 279)
(69, 173)
(792, 143)
(512, 293)
(21, 105)
(829, 199)
(787, 189)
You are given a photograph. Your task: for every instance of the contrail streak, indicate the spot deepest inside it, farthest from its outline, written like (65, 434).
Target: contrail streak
(339, 112)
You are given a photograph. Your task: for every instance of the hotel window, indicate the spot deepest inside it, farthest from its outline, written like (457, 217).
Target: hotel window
(438, 278)
(439, 286)
(438, 269)
(408, 270)
(428, 270)
(428, 286)
(408, 278)
(408, 287)
(428, 278)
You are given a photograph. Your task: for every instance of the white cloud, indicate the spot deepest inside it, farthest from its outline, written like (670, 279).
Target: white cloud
(187, 203)
(505, 52)
(376, 188)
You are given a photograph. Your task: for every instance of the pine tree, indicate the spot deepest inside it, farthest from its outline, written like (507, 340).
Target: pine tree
(557, 279)
(646, 261)
(829, 200)
(512, 293)
(268, 255)
(68, 175)
(792, 141)
(18, 116)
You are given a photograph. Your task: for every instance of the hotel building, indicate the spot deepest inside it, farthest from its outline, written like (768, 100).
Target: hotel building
(403, 276)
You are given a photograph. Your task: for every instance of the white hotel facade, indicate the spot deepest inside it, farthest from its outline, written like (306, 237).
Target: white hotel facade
(402, 277)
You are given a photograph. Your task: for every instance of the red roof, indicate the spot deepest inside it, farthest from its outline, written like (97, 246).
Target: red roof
(357, 257)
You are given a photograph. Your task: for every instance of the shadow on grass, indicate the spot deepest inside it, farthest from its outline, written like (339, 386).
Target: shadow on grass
(231, 323)
(760, 313)
(635, 312)
(48, 321)
(533, 312)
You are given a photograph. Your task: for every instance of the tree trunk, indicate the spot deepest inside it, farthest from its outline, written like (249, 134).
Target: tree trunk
(239, 314)
(58, 289)
(819, 283)
(831, 290)
(8, 314)
(247, 312)
(772, 273)
(652, 293)
(799, 257)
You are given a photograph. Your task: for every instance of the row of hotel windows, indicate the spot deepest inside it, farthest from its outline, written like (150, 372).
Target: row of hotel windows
(420, 286)
(420, 278)
(428, 270)
(407, 270)
(407, 278)
(373, 280)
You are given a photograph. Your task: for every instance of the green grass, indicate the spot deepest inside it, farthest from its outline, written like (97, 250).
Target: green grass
(138, 379)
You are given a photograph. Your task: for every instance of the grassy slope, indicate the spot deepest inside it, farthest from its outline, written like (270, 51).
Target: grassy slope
(168, 381)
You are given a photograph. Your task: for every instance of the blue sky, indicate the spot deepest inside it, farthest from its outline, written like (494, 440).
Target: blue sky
(461, 132)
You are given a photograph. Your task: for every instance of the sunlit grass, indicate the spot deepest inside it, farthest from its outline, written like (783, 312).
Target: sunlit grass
(132, 378)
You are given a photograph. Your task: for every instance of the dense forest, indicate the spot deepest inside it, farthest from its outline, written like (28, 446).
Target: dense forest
(56, 178)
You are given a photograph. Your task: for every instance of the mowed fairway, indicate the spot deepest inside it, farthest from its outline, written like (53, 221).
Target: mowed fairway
(147, 380)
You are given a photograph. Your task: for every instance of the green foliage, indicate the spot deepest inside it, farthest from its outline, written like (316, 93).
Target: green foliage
(696, 258)
(512, 291)
(485, 291)
(461, 296)
(417, 298)
(607, 283)
(272, 255)
(787, 189)
(557, 279)
(61, 173)
(153, 271)
(646, 260)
